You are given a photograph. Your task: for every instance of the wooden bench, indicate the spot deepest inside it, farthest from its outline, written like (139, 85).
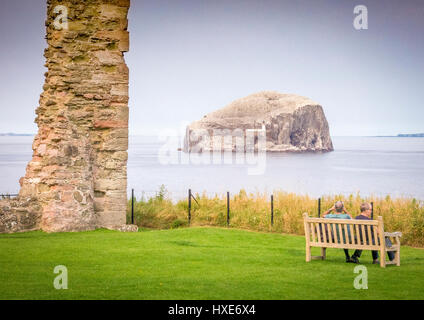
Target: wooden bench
(350, 234)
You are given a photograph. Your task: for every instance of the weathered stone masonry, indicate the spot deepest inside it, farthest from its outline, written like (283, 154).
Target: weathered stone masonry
(77, 178)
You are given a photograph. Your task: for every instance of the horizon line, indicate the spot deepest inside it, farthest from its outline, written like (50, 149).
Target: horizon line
(11, 134)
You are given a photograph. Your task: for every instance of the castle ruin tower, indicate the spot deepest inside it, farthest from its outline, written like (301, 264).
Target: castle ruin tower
(78, 172)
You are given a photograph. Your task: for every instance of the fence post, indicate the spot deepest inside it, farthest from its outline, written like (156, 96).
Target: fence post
(372, 210)
(132, 206)
(272, 210)
(189, 206)
(319, 207)
(228, 209)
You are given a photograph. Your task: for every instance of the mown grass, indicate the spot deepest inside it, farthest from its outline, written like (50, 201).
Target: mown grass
(193, 263)
(253, 212)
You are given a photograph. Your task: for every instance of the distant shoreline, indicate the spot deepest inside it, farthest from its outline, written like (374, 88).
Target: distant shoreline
(407, 135)
(16, 134)
(402, 135)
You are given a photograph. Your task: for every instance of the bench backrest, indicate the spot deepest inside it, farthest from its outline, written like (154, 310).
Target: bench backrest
(344, 233)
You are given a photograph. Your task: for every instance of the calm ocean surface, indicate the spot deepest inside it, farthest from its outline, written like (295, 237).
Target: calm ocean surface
(369, 165)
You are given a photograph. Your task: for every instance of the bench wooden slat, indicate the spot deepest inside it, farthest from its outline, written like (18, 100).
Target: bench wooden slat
(319, 233)
(347, 240)
(357, 234)
(334, 233)
(393, 248)
(340, 234)
(330, 233)
(364, 239)
(322, 228)
(370, 235)
(343, 221)
(377, 238)
(313, 231)
(393, 234)
(352, 234)
(343, 246)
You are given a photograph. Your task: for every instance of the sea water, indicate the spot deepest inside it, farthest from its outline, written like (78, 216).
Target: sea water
(370, 165)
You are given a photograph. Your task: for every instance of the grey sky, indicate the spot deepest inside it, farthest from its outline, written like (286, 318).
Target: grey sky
(190, 57)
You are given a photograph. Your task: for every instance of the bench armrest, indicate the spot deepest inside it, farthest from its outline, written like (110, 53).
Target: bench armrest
(393, 234)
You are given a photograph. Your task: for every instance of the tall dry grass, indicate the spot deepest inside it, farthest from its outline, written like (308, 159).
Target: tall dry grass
(253, 211)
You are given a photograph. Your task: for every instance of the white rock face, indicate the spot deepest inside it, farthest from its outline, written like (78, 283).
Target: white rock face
(292, 124)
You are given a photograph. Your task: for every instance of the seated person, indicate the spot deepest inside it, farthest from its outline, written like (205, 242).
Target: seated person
(365, 214)
(339, 213)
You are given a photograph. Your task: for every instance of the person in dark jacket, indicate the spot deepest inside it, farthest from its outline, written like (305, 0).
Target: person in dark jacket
(366, 210)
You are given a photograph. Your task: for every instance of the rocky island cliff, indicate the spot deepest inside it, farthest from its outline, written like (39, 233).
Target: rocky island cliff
(290, 123)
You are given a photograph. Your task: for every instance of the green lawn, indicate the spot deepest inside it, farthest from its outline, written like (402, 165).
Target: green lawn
(193, 263)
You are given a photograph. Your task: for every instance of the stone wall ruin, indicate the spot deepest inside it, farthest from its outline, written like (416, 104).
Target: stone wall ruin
(77, 178)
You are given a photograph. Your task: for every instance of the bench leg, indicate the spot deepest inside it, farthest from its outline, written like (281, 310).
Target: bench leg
(323, 253)
(397, 257)
(382, 257)
(397, 254)
(308, 253)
